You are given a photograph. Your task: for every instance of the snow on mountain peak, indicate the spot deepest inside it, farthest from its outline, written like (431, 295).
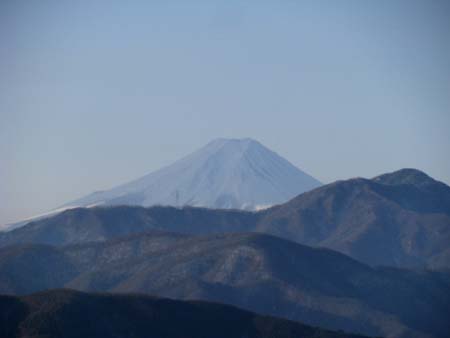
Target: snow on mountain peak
(226, 173)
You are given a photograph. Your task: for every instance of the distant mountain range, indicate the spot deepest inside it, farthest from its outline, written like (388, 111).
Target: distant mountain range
(258, 260)
(399, 219)
(254, 271)
(71, 314)
(226, 173)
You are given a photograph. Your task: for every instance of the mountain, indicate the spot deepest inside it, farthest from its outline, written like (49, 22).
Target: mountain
(257, 272)
(414, 177)
(82, 225)
(399, 219)
(67, 313)
(226, 173)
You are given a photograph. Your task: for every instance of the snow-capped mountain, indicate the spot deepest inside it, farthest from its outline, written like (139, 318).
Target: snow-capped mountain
(226, 173)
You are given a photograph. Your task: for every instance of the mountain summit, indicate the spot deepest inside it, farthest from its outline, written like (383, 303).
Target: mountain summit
(226, 173)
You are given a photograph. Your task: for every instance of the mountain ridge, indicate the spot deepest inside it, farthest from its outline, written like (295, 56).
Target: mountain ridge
(254, 271)
(401, 225)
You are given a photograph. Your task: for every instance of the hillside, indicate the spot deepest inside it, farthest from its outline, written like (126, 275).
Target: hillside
(392, 220)
(257, 272)
(66, 313)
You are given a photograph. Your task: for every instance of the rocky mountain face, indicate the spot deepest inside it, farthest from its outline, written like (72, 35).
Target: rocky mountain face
(400, 219)
(72, 314)
(257, 272)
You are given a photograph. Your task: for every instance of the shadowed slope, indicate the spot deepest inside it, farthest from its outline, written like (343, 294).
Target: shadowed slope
(65, 313)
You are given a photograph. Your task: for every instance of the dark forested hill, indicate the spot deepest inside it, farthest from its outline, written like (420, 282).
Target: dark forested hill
(254, 271)
(66, 313)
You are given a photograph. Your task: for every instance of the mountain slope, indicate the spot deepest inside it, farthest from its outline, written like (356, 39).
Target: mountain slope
(257, 272)
(382, 221)
(226, 173)
(82, 225)
(385, 221)
(66, 313)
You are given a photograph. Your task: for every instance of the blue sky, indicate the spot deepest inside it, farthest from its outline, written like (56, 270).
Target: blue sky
(94, 93)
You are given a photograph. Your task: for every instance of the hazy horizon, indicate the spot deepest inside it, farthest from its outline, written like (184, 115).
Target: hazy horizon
(96, 93)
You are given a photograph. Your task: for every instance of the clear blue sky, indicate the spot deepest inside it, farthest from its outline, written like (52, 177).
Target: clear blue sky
(94, 93)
